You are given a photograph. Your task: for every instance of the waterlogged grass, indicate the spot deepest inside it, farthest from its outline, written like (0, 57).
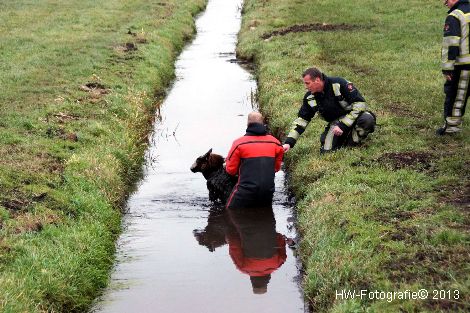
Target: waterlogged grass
(394, 214)
(80, 82)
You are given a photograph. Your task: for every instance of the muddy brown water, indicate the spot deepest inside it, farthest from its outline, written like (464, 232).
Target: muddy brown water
(177, 253)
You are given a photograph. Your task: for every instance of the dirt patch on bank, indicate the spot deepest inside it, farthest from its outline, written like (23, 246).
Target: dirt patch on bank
(127, 47)
(402, 233)
(18, 201)
(429, 267)
(95, 91)
(409, 159)
(402, 110)
(30, 223)
(61, 133)
(429, 264)
(457, 195)
(323, 27)
(95, 88)
(139, 36)
(64, 117)
(16, 204)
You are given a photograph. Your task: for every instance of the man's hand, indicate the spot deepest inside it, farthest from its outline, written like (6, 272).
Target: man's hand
(286, 147)
(337, 131)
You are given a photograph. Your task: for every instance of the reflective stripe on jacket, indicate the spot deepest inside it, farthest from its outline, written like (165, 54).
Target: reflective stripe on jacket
(455, 42)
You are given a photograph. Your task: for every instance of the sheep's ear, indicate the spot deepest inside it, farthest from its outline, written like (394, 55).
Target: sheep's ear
(208, 153)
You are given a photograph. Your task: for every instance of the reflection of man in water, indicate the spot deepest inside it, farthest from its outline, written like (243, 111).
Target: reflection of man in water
(254, 246)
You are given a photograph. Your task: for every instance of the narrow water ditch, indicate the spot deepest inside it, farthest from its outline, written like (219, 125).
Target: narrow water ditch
(176, 253)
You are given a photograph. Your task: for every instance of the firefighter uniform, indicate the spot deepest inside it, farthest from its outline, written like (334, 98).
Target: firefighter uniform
(255, 157)
(340, 104)
(456, 64)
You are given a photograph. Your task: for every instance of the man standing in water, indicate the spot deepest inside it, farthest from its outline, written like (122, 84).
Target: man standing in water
(255, 157)
(455, 65)
(338, 102)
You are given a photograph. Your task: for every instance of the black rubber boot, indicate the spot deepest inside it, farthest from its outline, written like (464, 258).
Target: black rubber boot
(447, 130)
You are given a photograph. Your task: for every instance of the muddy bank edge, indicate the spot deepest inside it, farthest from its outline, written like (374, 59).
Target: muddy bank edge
(394, 214)
(80, 86)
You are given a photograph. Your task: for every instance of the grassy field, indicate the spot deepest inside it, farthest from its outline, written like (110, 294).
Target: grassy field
(80, 81)
(394, 214)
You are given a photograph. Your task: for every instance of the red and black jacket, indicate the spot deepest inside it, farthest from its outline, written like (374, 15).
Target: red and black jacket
(257, 266)
(255, 157)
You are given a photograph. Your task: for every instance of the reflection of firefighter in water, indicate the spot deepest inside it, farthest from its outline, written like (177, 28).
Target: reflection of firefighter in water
(254, 246)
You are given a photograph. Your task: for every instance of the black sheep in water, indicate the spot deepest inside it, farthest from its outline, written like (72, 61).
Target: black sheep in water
(219, 182)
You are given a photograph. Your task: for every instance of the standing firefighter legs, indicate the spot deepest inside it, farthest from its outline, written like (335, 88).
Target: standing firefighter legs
(456, 91)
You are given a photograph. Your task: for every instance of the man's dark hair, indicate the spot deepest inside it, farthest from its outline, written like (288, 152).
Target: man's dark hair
(313, 72)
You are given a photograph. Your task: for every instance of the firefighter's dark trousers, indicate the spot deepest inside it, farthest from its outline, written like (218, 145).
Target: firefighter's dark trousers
(364, 125)
(457, 92)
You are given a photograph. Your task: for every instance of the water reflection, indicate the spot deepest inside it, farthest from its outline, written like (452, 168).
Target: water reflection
(214, 234)
(163, 267)
(255, 247)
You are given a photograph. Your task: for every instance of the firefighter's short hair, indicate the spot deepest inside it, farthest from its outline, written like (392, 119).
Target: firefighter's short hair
(313, 72)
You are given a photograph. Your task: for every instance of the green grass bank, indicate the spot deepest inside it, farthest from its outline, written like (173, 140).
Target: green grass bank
(80, 82)
(394, 214)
